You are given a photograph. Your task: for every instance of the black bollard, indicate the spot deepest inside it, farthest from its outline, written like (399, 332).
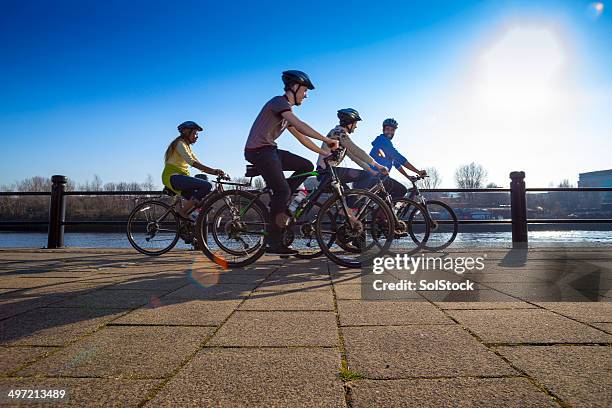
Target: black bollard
(57, 212)
(518, 209)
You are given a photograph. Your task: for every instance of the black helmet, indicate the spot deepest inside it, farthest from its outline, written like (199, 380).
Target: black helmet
(296, 77)
(189, 125)
(390, 122)
(348, 116)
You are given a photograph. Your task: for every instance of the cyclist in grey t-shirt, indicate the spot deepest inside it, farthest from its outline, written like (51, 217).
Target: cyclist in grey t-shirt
(261, 151)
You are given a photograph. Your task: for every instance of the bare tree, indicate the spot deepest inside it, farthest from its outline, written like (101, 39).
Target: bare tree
(258, 183)
(148, 184)
(471, 175)
(492, 185)
(433, 181)
(96, 184)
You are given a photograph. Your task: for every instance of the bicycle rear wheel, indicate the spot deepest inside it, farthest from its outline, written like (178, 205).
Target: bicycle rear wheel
(353, 244)
(301, 234)
(153, 228)
(412, 232)
(231, 228)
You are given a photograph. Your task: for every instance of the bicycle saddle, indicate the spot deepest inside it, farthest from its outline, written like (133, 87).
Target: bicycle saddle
(251, 171)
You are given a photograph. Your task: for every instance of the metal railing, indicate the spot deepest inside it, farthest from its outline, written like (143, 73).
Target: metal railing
(518, 207)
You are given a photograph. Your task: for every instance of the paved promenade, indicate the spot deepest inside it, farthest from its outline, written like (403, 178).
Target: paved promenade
(116, 328)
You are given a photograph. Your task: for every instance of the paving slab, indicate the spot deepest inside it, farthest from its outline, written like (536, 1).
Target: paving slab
(14, 282)
(527, 326)
(116, 299)
(579, 375)
(298, 280)
(278, 329)
(14, 305)
(607, 327)
(51, 326)
(151, 283)
(545, 292)
(449, 392)
(231, 277)
(207, 292)
(70, 289)
(83, 392)
(63, 273)
(181, 312)
(476, 295)
(394, 352)
(287, 377)
(508, 277)
(12, 358)
(124, 351)
(353, 291)
(484, 305)
(583, 311)
(386, 312)
(295, 300)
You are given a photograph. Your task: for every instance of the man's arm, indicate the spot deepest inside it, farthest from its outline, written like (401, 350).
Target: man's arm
(303, 139)
(306, 130)
(359, 156)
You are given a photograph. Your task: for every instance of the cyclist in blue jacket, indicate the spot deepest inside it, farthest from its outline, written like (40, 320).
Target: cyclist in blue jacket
(387, 155)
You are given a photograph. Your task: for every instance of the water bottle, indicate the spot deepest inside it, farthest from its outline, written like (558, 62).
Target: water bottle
(194, 215)
(299, 197)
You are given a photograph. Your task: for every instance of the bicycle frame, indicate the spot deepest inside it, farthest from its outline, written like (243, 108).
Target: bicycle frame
(330, 180)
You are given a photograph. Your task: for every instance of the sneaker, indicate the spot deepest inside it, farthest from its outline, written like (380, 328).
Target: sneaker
(280, 250)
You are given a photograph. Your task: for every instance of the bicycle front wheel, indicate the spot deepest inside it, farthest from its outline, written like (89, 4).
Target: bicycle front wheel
(153, 228)
(353, 240)
(231, 228)
(444, 225)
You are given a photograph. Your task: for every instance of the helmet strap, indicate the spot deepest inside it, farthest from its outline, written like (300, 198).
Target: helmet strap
(294, 93)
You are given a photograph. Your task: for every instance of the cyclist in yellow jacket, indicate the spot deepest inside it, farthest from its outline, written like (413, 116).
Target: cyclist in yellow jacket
(178, 158)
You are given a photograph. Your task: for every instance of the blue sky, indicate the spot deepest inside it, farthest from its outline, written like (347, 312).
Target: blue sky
(99, 89)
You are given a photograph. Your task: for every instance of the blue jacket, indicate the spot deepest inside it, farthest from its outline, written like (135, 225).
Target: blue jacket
(385, 154)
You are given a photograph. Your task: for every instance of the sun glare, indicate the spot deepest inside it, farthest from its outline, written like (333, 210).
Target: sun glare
(595, 9)
(521, 71)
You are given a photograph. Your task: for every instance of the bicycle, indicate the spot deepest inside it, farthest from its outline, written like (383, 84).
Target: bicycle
(440, 216)
(230, 217)
(154, 227)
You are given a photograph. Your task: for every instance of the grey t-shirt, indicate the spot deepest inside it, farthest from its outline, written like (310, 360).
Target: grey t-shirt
(269, 124)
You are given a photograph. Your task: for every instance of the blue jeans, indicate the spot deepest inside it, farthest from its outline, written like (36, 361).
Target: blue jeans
(190, 186)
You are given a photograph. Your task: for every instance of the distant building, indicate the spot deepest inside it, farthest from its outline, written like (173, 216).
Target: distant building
(601, 178)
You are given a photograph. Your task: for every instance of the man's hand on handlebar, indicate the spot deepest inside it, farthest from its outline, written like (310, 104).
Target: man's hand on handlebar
(382, 169)
(422, 173)
(221, 174)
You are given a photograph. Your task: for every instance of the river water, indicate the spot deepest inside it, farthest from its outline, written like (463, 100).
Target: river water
(463, 240)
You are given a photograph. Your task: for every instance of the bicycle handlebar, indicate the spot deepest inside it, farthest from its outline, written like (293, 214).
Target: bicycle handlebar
(417, 178)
